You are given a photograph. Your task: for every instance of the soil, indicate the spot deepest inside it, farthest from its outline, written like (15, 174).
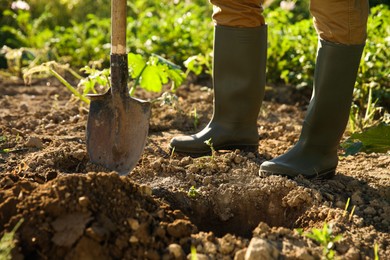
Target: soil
(170, 205)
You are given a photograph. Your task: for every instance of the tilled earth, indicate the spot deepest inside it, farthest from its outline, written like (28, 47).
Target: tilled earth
(170, 205)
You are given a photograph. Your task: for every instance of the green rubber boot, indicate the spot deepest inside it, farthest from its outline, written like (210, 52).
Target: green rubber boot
(239, 81)
(315, 154)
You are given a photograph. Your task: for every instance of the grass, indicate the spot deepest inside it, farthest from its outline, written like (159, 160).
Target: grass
(325, 238)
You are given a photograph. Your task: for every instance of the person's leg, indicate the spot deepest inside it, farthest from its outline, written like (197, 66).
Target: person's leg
(240, 44)
(341, 26)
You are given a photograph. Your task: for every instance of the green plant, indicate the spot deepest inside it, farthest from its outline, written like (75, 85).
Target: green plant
(198, 64)
(325, 238)
(346, 209)
(372, 115)
(373, 139)
(194, 255)
(210, 144)
(153, 73)
(193, 192)
(376, 252)
(25, 31)
(150, 75)
(176, 30)
(52, 68)
(7, 242)
(196, 118)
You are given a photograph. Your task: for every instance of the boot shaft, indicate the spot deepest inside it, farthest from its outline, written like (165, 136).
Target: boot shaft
(334, 80)
(239, 67)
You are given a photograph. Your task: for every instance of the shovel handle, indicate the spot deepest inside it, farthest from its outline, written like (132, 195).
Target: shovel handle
(119, 65)
(118, 26)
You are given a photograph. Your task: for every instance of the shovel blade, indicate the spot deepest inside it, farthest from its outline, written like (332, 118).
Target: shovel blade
(116, 131)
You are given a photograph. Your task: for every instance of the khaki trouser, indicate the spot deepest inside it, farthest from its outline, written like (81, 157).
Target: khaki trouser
(338, 21)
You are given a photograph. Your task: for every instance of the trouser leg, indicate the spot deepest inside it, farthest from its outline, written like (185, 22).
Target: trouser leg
(238, 13)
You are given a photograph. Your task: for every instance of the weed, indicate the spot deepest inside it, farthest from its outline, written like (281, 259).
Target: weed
(52, 68)
(210, 144)
(194, 255)
(7, 242)
(150, 75)
(373, 139)
(376, 252)
(167, 99)
(325, 238)
(346, 207)
(172, 152)
(196, 118)
(193, 192)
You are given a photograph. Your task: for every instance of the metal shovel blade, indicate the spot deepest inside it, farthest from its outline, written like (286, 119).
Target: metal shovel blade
(116, 131)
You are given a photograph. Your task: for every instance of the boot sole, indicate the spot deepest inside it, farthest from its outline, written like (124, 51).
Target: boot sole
(323, 175)
(244, 148)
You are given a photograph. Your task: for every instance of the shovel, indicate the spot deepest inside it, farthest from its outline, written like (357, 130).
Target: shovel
(117, 124)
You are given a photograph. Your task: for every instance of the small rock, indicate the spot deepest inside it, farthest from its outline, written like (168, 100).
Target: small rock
(237, 159)
(133, 240)
(357, 199)
(261, 228)
(79, 154)
(302, 254)
(240, 254)
(176, 251)
(180, 228)
(352, 254)
(97, 233)
(210, 248)
(133, 223)
(260, 249)
(226, 244)
(24, 107)
(34, 142)
(369, 211)
(84, 201)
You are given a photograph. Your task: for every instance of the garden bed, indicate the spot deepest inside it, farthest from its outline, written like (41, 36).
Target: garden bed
(217, 205)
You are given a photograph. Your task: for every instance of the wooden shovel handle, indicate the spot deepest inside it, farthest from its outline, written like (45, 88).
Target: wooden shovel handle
(118, 26)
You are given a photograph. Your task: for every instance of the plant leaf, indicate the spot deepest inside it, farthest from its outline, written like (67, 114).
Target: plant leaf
(375, 139)
(151, 80)
(136, 64)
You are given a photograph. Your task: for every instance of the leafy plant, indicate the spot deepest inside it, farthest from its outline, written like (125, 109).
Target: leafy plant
(210, 144)
(198, 64)
(196, 118)
(52, 68)
(325, 238)
(7, 242)
(153, 73)
(373, 139)
(193, 192)
(150, 75)
(25, 31)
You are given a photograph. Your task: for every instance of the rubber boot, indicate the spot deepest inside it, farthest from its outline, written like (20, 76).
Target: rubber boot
(239, 82)
(315, 154)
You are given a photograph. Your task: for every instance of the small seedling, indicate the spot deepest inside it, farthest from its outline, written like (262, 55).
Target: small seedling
(7, 242)
(193, 192)
(172, 152)
(210, 144)
(196, 118)
(325, 238)
(194, 256)
(346, 207)
(376, 252)
(352, 211)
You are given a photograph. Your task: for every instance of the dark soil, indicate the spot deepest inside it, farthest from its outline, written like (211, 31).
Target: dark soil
(72, 209)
